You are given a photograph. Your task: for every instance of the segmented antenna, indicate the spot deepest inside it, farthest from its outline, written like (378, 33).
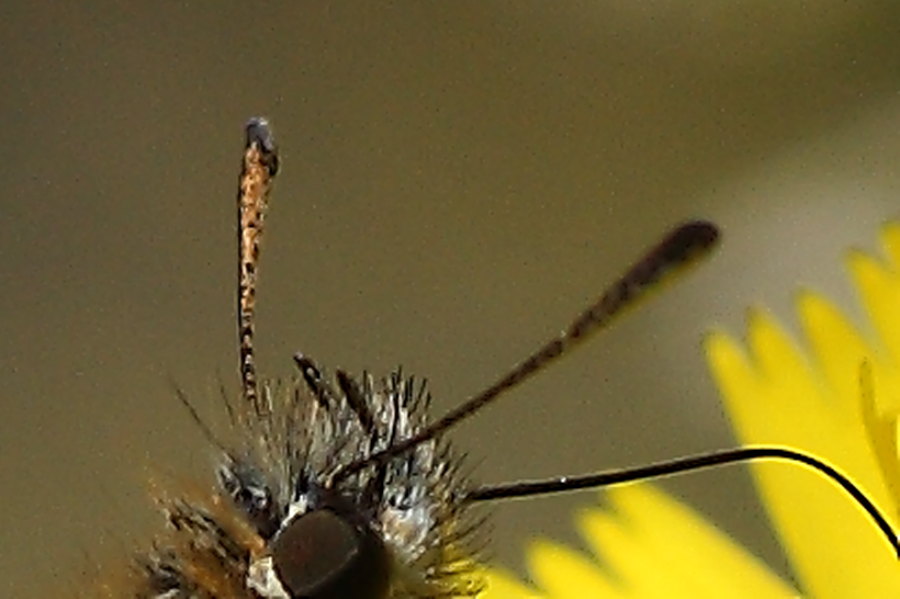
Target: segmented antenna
(682, 247)
(257, 173)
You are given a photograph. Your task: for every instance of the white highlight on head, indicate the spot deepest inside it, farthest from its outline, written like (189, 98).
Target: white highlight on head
(261, 577)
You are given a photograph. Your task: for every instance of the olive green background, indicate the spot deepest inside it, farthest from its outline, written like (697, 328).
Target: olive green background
(459, 179)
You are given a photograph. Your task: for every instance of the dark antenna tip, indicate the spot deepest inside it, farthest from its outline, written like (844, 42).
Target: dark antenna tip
(699, 234)
(259, 132)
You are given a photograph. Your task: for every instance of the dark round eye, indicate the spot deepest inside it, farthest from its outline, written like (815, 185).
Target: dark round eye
(324, 555)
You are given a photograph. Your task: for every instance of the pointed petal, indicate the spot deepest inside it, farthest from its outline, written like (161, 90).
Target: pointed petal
(563, 573)
(502, 585)
(658, 519)
(879, 291)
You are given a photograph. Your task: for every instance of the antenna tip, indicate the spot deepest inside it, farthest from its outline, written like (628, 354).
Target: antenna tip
(259, 132)
(693, 237)
(702, 231)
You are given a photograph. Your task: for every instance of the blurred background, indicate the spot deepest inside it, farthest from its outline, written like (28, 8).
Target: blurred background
(459, 179)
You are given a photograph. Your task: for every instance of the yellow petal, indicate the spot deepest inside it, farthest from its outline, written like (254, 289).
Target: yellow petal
(656, 560)
(879, 291)
(502, 585)
(837, 348)
(882, 432)
(738, 382)
(563, 573)
(684, 545)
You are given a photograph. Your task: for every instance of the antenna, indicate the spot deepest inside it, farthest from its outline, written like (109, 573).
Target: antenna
(684, 246)
(564, 484)
(258, 170)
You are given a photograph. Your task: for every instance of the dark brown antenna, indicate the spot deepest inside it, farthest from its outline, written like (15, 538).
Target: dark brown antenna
(682, 247)
(257, 173)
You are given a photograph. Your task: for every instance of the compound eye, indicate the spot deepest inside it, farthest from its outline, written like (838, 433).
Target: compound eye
(323, 555)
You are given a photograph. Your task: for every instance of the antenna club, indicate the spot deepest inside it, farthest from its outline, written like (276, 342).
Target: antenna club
(682, 247)
(686, 243)
(259, 134)
(701, 233)
(259, 131)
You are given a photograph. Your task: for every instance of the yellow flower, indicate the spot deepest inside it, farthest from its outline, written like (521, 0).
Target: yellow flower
(836, 397)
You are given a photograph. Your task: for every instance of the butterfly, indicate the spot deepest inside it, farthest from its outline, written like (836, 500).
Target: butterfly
(336, 485)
